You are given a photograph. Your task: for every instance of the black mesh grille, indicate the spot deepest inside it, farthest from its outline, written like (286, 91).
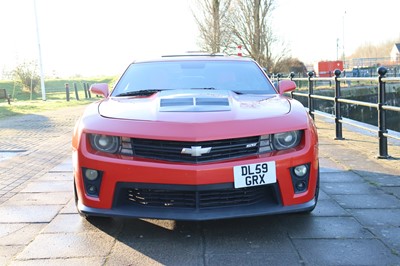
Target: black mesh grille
(199, 199)
(220, 149)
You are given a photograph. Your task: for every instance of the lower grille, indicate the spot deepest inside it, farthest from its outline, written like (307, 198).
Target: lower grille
(194, 197)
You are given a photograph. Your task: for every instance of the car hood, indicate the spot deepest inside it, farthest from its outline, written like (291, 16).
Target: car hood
(195, 106)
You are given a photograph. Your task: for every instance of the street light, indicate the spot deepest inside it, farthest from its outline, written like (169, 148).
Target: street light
(40, 54)
(344, 56)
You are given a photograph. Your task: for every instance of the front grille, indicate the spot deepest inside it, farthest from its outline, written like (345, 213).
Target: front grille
(220, 149)
(195, 199)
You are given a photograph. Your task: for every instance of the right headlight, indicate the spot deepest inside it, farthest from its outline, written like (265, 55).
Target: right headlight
(286, 140)
(104, 143)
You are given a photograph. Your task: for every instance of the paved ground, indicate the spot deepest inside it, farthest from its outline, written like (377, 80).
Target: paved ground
(356, 222)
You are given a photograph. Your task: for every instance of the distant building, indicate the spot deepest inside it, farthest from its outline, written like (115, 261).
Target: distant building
(395, 53)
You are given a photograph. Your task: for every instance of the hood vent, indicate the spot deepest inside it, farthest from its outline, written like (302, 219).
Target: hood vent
(176, 102)
(193, 104)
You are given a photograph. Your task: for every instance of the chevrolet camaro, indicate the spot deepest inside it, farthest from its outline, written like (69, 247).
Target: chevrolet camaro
(195, 137)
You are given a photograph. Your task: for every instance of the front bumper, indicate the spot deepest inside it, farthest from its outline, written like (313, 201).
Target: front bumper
(195, 203)
(121, 178)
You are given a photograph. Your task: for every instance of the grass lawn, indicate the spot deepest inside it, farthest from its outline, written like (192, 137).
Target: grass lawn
(23, 102)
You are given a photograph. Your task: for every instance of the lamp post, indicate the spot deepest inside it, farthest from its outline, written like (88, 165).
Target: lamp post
(344, 55)
(39, 54)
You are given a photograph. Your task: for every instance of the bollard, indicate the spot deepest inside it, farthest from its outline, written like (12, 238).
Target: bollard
(310, 92)
(85, 90)
(76, 92)
(67, 91)
(291, 78)
(89, 94)
(338, 114)
(383, 149)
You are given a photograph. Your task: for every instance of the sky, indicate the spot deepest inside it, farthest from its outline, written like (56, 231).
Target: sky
(101, 37)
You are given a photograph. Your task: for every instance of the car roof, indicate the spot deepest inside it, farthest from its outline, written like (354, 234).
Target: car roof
(197, 56)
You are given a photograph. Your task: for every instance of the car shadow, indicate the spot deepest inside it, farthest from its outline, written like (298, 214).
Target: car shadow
(272, 239)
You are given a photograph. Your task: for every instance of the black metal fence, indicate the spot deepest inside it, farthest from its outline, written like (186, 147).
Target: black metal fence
(338, 100)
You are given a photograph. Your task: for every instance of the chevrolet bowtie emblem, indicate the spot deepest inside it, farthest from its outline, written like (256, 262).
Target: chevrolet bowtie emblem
(196, 151)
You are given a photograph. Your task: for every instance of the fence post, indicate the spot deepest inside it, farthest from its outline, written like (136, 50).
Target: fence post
(310, 92)
(383, 148)
(88, 91)
(85, 90)
(76, 92)
(291, 78)
(67, 91)
(338, 112)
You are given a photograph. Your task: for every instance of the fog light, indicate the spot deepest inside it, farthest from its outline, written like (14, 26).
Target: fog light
(91, 174)
(300, 170)
(92, 190)
(301, 186)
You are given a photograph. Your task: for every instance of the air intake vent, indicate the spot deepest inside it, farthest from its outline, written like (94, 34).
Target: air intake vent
(176, 102)
(194, 104)
(212, 101)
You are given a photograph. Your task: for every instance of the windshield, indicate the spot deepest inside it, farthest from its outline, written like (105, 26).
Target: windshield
(238, 76)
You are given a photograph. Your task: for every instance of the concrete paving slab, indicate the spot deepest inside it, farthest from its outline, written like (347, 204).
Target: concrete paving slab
(151, 229)
(164, 242)
(255, 235)
(65, 166)
(383, 180)
(48, 186)
(327, 165)
(329, 207)
(341, 177)
(70, 207)
(18, 234)
(345, 252)
(50, 198)
(367, 201)
(7, 253)
(304, 226)
(323, 196)
(61, 262)
(347, 188)
(74, 223)
(152, 252)
(395, 191)
(56, 176)
(28, 214)
(66, 245)
(391, 236)
(377, 217)
(253, 258)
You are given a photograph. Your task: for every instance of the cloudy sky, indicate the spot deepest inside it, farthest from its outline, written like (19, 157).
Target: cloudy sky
(100, 37)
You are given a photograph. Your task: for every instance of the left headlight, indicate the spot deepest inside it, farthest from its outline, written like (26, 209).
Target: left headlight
(104, 143)
(286, 140)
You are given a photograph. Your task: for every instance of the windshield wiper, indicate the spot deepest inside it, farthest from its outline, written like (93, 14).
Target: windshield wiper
(210, 88)
(138, 93)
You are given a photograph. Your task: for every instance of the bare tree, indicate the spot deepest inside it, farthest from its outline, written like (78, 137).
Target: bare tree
(252, 29)
(26, 75)
(213, 23)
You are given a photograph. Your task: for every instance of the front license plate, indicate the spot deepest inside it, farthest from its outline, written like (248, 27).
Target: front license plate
(256, 174)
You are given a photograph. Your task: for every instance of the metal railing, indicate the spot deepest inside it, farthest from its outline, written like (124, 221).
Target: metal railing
(337, 100)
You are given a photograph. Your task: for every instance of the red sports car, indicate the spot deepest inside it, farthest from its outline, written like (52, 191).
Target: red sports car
(195, 137)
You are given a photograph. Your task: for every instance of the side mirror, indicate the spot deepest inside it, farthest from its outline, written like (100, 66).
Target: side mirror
(286, 86)
(100, 89)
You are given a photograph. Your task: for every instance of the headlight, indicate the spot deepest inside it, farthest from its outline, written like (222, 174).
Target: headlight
(109, 144)
(286, 140)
